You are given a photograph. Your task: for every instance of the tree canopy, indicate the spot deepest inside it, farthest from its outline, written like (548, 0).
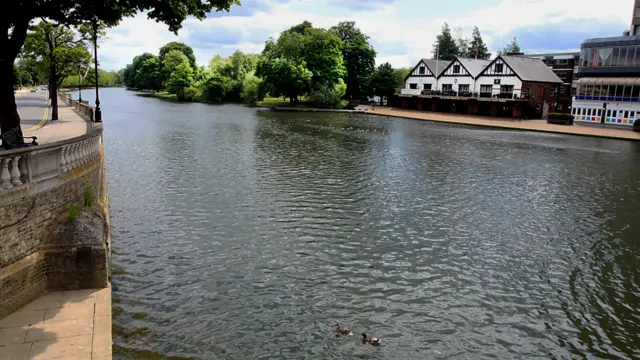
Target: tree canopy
(384, 80)
(359, 58)
(477, 47)
(445, 47)
(511, 47)
(19, 15)
(180, 47)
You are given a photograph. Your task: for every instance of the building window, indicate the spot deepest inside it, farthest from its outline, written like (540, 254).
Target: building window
(447, 87)
(413, 86)
(498, 68)
(496, 81)
(456, 69)
(562, 62)
(506, 89)
(463, 88)
(427, 86)
(422, 70)
(485, 88)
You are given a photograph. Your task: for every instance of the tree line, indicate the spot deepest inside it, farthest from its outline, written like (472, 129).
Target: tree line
(448, 47)
(325, 66)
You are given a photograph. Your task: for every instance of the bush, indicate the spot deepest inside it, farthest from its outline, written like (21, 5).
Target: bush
(252, 90)
(214, 88)
(560, 116)
(326, 97)
(189, 93)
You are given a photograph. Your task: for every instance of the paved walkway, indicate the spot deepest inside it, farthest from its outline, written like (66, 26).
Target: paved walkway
(60, 325)
(532, 125)
(69, 125)
(33, 108)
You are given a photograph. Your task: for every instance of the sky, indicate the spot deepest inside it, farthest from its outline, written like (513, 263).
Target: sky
(401, 31)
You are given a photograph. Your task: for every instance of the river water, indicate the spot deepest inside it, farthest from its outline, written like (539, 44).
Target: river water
(246, 234)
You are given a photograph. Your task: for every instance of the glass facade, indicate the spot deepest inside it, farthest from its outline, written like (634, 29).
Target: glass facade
(610, 56)
(609, 92)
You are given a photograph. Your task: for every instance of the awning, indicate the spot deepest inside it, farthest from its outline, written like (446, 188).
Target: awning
(609, 81)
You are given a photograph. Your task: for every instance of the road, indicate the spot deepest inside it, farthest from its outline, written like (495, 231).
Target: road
(33, 109)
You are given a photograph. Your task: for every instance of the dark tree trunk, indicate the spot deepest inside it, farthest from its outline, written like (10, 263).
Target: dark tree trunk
(53, 95)
(9, 48)
(9, 117)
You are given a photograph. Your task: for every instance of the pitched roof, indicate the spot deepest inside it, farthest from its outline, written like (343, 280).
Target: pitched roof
(440, 65)
(529, 69)
(474, 66)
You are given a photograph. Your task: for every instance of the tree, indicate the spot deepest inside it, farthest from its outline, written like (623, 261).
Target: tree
(462, 42)
(401, 74)
(477, 48)
(252, 89)
(235, 68)
(31, 67)
(359, 58)
(323, 56)
(328, 96)
(17, 17)
(214, 88)
(172, 60)
(181, 47)
(284, 77)
(300, 28)
(180, 78)
(59, 50)
(384, 81)
(26, 78)
(16, 78)
(511, 47)
(131, 70)
(445, 47)
(148, 75)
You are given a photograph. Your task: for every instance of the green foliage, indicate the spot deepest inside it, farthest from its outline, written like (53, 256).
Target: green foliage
(88, 196)
(185, 49)
(401, 74)
(359, 58)
(30, 66)
(235, 68)
(105, 78)
(328, 97)
(284, 77)
(477, 44)
(26, 79)
(190, 93)
(16, 78)
(511, 47)
(74, 212)
(214, 88)
(323, 56)
(252, 90)
(180, 78)
(445, 47)
(384, 80)
(131, 71)
(172, 60)
(148, 75)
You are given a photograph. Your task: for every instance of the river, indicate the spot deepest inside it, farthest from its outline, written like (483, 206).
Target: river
(247, 234)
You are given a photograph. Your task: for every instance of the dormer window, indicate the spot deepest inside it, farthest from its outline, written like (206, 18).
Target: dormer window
(456, 69)
(498, 68)
(422, 70)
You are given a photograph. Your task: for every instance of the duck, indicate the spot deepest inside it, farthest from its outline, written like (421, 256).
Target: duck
(370, 340)
(341, 330)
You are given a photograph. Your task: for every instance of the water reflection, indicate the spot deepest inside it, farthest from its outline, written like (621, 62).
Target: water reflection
(248, 234)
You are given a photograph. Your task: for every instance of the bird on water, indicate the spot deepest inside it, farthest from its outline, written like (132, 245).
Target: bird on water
(370, 340)
(341, 330)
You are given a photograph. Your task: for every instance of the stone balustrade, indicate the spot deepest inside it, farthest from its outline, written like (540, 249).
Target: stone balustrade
(83, 108)
(20, 167)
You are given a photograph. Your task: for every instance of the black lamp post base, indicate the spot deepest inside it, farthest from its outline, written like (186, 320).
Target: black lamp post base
(98, 115)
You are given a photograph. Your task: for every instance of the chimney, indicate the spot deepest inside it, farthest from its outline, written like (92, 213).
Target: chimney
(625, 33)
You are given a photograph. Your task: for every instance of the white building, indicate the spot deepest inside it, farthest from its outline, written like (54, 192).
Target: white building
(424, 75)
(513, 76)
(460, 76)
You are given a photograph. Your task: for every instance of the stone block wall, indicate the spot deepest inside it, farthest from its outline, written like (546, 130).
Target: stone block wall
(38, 253)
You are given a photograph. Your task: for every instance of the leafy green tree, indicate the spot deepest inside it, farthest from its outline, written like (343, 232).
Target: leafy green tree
(401, 74)
(445, 47)
(131, 70)
(172, 60)
(328, 96)
(359, 58)
(16, 77)
(284, 77)
(235, 68)
(181, 47)
(58, 49)
(511, 47)
(180, 78)
(300, 28)
(148, 76)
(26, 78)
(214, 88)
(17, 17)
(323, 56)
(30, 66)
(477, 47)
(252, 89)
(384, 81)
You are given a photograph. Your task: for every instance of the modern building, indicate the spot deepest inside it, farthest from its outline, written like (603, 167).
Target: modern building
(565, 65)
(635, 19)
(609, 86)
(507, 86)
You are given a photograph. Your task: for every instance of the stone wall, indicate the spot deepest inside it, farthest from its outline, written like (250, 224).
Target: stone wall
(40, 248)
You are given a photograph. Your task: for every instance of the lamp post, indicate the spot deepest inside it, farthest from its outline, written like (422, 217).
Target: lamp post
(98, 114)
(79, 83)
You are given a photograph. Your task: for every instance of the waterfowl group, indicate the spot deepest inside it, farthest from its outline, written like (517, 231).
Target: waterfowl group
(341, 330)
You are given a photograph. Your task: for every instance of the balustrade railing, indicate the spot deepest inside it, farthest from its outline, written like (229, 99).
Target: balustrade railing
(82, 107)
(20, 167)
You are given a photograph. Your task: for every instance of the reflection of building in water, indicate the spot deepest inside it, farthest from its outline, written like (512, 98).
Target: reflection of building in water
(609, 86)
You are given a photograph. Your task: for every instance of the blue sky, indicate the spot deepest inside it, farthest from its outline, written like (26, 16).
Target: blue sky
(402, 31)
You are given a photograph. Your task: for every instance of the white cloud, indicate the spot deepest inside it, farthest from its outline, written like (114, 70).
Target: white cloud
(386, 23)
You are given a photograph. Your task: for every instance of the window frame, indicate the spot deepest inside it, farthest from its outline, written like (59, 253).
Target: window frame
(498, 68)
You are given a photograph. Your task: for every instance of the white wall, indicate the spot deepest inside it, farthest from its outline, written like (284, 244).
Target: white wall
(579, 109)
(456, 81)
(504, 80)
(421, 81)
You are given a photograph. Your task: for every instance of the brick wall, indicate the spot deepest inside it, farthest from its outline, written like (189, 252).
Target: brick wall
(34, 258)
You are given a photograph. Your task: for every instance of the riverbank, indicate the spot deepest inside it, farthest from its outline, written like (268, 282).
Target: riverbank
(525, 125)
